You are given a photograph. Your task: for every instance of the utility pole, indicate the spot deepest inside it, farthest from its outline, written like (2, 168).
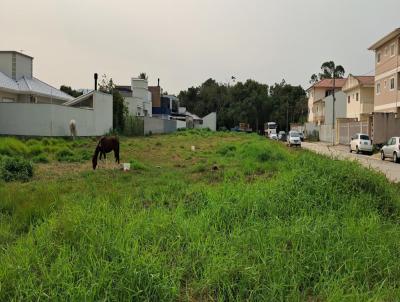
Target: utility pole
(333, 108)
(287, 114)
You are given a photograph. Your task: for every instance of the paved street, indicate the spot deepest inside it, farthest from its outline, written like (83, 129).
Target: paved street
(390, 169)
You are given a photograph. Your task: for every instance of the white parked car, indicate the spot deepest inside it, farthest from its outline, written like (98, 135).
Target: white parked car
(360, 142)
(391, 149)
(293, 139)
(273, 136)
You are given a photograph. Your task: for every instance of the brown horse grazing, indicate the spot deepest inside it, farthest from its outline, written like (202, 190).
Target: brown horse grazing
(106, 145)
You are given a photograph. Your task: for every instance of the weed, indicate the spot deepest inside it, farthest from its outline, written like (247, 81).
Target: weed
(15, 168)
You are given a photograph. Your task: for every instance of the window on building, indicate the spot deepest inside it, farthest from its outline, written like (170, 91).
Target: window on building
(392, 49)
(392, 84)
(378, 57)
(357, 96)
(378, 88)
(348, 99)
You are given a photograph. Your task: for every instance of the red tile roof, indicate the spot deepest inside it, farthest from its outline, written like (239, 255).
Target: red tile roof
(328, 83)
(366, 80)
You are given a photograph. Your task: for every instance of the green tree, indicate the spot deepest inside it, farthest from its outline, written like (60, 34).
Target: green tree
(143, 76)
(329, 70)
(70, 91)
(249, 102)
(120, 109)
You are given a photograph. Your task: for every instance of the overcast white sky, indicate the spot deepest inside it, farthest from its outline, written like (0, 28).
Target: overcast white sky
(185, 42)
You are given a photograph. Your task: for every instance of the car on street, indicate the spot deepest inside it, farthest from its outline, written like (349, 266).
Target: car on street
(360, 142)
(273, 136)
(293, 139)
(282, 136)
(391, 149)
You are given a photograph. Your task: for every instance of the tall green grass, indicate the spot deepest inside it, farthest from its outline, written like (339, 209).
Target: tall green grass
(270, 224)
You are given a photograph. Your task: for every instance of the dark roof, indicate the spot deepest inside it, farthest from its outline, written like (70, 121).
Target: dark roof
(124, 88)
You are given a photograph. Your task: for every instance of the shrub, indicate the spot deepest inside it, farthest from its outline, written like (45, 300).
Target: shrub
(35, 150)
(41, 158)
(227, 150)
(32, 142)
(65, 154)
(11, 146)
(15, 168)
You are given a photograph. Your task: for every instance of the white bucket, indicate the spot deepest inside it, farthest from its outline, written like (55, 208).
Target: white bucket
(126, 166)
(193, 148)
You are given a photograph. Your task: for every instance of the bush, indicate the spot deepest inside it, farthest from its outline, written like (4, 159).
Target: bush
(133, 126)
(35, 150)
(227, 150)
(41, 158)
(65, 154)
(15, 168)
(12, 146)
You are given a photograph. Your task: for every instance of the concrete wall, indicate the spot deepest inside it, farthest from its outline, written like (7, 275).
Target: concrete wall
(210, 121)
(180, 124)
(158, 126)
(340, 107)
(24, 66)
(6, 63)
(132, 105)
(327, 134)
(384, 126)
(53, 120)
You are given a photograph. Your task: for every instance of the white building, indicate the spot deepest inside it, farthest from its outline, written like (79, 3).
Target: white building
(137, 97)
(17, 83)
(29, 106)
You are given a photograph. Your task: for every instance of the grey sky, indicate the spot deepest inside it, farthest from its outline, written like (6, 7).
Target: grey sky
(184, 42)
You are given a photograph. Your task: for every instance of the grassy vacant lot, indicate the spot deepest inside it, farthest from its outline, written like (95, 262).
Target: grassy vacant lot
(241, 218)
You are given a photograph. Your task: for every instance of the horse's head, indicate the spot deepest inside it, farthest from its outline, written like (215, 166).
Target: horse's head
(94, 162)
(94, 158)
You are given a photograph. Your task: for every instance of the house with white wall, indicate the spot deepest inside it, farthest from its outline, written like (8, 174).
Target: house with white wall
(17, 83)
(31, 107)
(137, 97)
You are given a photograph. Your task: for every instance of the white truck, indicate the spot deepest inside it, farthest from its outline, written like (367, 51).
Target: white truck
(270, 129)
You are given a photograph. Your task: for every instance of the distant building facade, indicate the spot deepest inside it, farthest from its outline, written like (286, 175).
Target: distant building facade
(359, 94)
(137, 97)
(17, 83)
(387, 73)
(317, 101)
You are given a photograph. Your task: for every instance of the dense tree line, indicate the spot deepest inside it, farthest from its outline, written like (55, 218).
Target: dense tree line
(249, 102)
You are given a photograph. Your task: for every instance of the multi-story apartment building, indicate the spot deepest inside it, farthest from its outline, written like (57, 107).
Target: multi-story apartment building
(359, 93)
(318, 99)
(387, 73)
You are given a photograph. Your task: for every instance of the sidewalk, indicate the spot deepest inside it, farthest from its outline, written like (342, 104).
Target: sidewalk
(390, 169)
